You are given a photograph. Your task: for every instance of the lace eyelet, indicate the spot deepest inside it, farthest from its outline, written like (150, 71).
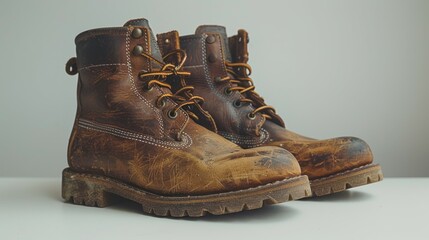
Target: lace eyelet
(228, 91)
(218, 79)
(137, 50)
(172, 114)
(161, 104)
(251, 116)
(148, 88)
(237, 103)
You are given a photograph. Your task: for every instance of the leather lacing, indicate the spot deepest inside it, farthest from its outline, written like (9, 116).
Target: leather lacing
(158, 77)
(244, 85)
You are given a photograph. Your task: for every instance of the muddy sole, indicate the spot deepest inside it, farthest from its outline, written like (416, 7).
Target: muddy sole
(367, 174)
(100, 191)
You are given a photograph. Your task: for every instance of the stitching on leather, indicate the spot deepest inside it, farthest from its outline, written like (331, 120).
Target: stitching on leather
(185, 143)
(221, 53)
(245, 140)
(133, 86)
(206, 69)
(146, 45)
(102, 65)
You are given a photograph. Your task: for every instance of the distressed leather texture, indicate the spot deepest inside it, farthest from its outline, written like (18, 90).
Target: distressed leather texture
(121, 133)
(208, 51)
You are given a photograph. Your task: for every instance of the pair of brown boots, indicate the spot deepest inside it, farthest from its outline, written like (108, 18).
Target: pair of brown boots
(175, 124)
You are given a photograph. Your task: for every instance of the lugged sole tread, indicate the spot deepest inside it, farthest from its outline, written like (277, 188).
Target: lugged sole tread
(363, 175)
(100, 191)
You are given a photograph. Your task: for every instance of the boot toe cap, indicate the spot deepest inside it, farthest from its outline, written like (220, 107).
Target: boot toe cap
(354, 152)
(335, 155)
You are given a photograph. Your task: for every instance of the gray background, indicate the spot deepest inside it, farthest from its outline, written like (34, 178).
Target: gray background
(331, 68)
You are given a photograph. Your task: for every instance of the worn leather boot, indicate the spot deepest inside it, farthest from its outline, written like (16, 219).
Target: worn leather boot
(220, 74)
(134, 138)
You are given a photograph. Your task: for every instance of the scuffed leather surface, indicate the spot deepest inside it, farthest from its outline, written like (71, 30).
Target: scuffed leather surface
(317, 158)
(320, 158)
(210, 165)
(116, 117)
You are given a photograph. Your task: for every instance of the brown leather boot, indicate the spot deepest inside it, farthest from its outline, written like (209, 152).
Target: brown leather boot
(134, 138)
(220, 74)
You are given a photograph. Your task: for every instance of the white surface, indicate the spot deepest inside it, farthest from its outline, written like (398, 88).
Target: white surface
(392, 209)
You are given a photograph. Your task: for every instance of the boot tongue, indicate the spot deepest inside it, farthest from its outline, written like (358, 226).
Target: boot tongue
(221, 31)
(142, 22)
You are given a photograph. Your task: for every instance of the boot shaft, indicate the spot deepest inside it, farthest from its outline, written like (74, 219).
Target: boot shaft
(111, 90)
(211, 59)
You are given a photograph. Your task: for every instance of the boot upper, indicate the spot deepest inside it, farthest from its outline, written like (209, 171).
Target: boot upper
(122, 132)
(243, 117)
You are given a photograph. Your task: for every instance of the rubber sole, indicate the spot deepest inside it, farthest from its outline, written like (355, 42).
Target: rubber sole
(363, 175)
(101, 191)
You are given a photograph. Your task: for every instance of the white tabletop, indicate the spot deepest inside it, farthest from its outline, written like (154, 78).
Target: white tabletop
(396, 208)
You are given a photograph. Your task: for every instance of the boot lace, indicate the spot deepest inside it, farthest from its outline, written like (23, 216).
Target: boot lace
(244, 85)
(158, 78)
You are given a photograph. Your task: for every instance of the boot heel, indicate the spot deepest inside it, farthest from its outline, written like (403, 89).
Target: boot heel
(78, 189)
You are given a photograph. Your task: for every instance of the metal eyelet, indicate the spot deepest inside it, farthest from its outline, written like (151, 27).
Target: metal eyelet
(148, 88)
(227, 91)
(137, 33)
(218, 79)
(237, 103)
(210, 39)
(172, 114)
(251, 116)
(161, 104)
(138, 50)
